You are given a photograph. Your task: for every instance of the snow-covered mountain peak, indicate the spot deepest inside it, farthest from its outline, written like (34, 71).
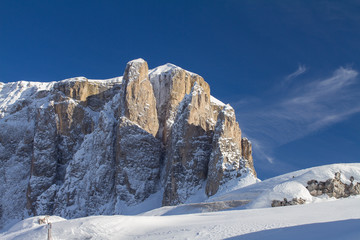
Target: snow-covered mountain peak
(81, 147)
(151, 143)
(137, 61)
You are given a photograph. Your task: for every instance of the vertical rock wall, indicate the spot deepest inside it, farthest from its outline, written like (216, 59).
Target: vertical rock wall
(189, 147)
(140, 102)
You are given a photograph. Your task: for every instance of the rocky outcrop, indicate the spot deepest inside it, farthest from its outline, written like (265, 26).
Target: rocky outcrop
(80, 147)
(334, 187)
(285, 202)
(247, 153)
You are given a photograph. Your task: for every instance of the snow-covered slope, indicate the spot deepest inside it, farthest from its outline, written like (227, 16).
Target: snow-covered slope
(291, 185)
(259, 194)
(321, 218)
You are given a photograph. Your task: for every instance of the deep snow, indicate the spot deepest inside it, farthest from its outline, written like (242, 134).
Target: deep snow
(283, 221)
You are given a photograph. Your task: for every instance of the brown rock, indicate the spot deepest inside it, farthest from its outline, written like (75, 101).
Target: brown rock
(170, 89)
(81, 88)
(140, 102)
(247, 154)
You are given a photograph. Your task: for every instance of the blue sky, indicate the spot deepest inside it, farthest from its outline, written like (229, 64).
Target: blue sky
(289, 68)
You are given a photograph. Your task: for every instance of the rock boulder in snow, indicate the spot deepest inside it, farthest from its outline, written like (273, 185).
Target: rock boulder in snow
(333, 187)
(285, 202)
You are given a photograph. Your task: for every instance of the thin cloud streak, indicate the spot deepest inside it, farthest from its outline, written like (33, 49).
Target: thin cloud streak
(301, 111)
(321, 90)
(301, 70)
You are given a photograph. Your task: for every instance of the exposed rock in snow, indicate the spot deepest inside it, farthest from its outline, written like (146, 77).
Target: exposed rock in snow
(285, 202)
(334, 187)
(290, 185)
(80, 147)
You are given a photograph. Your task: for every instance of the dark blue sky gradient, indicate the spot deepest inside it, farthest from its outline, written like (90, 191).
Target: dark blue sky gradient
(243, 49)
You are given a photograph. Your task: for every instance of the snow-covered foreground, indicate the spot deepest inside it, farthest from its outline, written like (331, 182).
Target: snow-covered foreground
(321, 218)
(329, 220)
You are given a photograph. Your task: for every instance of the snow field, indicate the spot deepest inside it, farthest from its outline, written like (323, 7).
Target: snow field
(322, 218)
(217, 225)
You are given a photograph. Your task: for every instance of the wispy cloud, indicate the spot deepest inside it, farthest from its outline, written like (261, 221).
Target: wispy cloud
(302, 110)
(260, 151)
(301, 70)
(324, 90)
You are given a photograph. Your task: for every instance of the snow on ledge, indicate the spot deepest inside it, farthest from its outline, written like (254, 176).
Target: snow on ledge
(163, 69)
(216, 101)
(138, 60)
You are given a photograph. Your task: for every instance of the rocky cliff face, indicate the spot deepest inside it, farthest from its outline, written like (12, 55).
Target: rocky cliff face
(80, 147)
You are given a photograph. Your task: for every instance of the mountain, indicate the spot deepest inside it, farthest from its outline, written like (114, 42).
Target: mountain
(321, 217)
(82, 147)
